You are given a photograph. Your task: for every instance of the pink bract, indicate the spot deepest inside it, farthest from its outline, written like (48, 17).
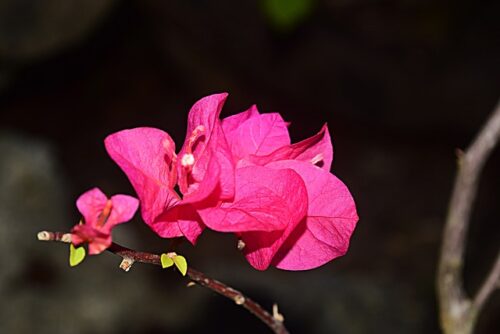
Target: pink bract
(100, 215)
(316, 150)
(258, 135)
(324, 233)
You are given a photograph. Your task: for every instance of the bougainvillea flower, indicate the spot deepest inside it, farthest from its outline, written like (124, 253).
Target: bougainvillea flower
(203, 169)
(325, 211)
(241, 175)
(100, 215)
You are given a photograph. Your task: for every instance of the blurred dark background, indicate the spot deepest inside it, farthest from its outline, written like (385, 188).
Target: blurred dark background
(402, 84)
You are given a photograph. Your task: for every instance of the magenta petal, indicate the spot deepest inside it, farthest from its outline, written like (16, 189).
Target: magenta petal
(166, 224)
(205, 141)
(190, 223)
(124, 208)
(215, 164)
(182, 220)
(203, 189)
(191, 229)
(90, 204)
(258, 135)
(99, 244)
(206, 112)
(316, 150)
(265, 200)
(231, 123)
(223, 156)
(207, 193)
(145, 155)
(331, 220)
(261, 247)
(219, 170)
(203, 115)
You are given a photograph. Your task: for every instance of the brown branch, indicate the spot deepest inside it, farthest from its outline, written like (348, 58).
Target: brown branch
(458, 312)
(491, 283)
(129, 256)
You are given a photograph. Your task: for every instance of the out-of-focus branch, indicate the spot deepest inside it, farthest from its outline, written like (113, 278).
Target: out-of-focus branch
(458, 312)
(491, 283)
(129, 256)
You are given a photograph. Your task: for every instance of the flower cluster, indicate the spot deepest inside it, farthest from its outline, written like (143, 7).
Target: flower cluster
(242, 175)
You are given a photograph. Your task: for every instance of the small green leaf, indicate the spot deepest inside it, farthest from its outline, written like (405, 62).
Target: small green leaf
(166, 261)
(287, 14)
(76, 255)
(181, 264)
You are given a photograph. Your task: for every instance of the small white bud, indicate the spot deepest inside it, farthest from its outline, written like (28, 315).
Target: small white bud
(187, 160)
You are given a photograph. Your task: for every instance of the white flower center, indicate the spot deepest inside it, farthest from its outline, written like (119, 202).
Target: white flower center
(187, 160)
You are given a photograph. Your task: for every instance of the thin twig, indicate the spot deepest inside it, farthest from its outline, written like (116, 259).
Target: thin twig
(458, 312)
(130, 256)
(491, 283)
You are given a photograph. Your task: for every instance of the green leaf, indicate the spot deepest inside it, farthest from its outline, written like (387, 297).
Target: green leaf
(181, 264)
(166, 261)
(76, 255)
(287, 14)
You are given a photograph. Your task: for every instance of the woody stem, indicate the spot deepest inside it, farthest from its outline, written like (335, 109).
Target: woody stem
(274, 322)
(458, 310)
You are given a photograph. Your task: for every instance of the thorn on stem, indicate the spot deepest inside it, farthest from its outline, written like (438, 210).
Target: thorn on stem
(66, 237)
(459, 152)
(239, 300)
(460, 156)
(126, 264)
(43, 236)
(54, 236)
(276, 314)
